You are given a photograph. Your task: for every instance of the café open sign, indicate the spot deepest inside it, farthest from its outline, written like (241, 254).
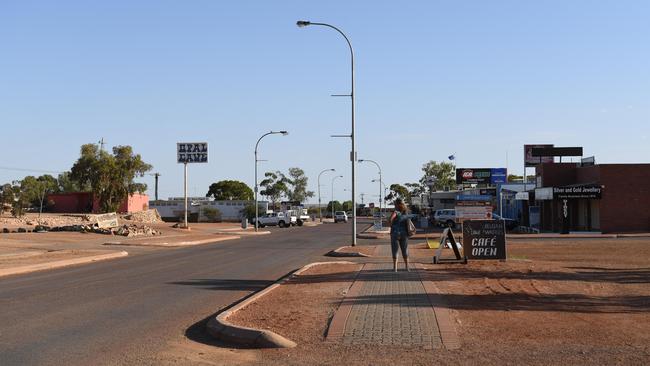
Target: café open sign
(484, 239)
(192, 152)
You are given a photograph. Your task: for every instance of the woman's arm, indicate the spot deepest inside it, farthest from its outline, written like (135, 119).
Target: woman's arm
(392, 217)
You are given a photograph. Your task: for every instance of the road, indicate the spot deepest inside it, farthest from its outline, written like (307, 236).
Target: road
(122, 311)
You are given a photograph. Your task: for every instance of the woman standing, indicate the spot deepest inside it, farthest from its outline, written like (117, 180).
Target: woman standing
(399, 233)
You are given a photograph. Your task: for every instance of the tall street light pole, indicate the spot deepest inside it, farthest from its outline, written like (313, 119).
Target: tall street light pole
(283, 133)
(332, 199)
(353, 153)
(380, 181)
(320, 216)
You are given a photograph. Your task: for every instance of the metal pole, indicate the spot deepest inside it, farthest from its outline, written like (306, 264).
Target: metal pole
(332, 200)
(156, 176)
(185, 192)
(256, 189)
(353, 153)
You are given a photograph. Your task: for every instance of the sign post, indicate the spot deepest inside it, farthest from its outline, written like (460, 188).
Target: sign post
(190, 152)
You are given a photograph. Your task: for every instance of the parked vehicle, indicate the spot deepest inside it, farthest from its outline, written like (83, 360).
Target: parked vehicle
(281, 219)
(511, 224)
(445, 218)
(340, 216)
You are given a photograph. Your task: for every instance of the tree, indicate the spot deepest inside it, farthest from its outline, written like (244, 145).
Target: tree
(398, 191)
(443, 172)
(33, 190)
(275, 186)
(346, 206)
(298, 186)
(110, 176)
(67, 184)
(230, 190)
(7, 195)
(519, 178)
(337, 206)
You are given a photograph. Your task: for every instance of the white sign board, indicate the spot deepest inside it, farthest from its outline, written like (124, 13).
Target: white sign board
(107, 221)
(192, 152)
(521, 196)
(473, 212)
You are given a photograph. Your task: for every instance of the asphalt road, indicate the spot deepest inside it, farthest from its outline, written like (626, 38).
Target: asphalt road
(121, 311)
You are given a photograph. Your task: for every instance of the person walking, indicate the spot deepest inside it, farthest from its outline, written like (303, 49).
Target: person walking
(399, 233)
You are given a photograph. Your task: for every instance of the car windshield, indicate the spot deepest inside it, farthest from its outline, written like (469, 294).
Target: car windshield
(340, 213)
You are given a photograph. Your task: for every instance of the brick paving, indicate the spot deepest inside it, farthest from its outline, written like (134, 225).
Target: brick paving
(388, 308)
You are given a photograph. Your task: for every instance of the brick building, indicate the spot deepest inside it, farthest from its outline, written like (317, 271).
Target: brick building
(606, 198)
(82, 202)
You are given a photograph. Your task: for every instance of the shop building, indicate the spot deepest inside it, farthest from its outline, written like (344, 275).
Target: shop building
(607, 198)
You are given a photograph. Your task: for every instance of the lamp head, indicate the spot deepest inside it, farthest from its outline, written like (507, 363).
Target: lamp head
(332, 170)
(302, 23)
(284, 133)
(360, 160)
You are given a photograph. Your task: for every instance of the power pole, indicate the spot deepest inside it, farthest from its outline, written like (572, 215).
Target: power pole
(101, 144)
(156, 175)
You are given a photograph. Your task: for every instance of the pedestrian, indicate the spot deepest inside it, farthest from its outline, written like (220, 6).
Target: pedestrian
(399, 233)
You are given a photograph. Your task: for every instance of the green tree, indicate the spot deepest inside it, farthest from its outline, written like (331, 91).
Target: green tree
(34, 190)
(337, 207)
(346, 206)
(297, 182)
(7, 195)
(398, 191)
(275, 186)
(67, 184)
(110, 176)
(519, 178)
(443, 173)
(230, 190)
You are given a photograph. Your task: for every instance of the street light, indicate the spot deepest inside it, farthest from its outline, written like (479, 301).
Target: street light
(333, 179)
(353, 153)
(283, 133)
(320, 216)
(380, 181)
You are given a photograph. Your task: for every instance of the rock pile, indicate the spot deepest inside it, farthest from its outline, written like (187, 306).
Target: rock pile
(150, 216)
(135, 230)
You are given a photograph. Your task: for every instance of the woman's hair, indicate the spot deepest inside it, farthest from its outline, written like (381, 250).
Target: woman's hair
(400, 205)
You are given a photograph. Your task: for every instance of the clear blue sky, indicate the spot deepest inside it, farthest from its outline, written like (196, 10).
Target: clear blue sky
(474, 78)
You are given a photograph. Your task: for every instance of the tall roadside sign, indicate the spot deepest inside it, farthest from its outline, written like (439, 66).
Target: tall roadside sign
(186, 153)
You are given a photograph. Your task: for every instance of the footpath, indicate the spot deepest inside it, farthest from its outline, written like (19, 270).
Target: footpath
(384, 307)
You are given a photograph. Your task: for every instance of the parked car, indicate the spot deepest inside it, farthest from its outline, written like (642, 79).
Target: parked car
(280, 219)
(511, 224)
(340, 216)
(445, 218)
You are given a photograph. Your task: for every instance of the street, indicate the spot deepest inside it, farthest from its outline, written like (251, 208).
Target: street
(123, 311)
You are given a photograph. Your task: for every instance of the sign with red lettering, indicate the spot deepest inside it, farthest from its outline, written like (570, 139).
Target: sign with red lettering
(484, 239)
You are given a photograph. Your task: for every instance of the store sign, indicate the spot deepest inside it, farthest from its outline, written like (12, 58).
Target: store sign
(481, 175)
(192, 152)
(484, 239)
(530, 160)
(544, 194)
(482, 212)
(473, 197)
(522, 196)
(578, 192)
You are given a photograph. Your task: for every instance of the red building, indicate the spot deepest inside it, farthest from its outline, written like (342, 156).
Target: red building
(607, 198)
(82, 202)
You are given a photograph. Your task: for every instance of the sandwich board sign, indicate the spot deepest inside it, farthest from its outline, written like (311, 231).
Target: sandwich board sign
(192, 152)
(484, 239)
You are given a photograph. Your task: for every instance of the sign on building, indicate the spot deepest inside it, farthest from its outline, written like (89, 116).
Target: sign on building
(484, 239)
(522, 196)
(192, 152)
(530, 160)
(578, 192)
(481, 175)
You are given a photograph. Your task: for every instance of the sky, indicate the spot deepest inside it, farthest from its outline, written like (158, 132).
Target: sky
(477, 79)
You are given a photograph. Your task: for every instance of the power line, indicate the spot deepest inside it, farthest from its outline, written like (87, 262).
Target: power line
(30, 170)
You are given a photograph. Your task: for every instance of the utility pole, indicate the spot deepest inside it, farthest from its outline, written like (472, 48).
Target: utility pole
(101, 145)
(156, 175)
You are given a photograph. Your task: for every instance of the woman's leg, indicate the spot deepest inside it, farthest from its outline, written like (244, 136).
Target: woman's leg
(404, 246)
(394, 247)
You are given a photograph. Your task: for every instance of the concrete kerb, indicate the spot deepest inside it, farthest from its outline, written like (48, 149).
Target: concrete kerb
(61, 263)
(221, 329)
(337, 253)
(175, 244)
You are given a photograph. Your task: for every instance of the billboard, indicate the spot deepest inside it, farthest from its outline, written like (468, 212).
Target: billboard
(530, 160)
(192, 152)
(481, 175)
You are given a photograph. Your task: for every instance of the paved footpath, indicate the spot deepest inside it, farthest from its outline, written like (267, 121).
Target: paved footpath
(392, 308)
